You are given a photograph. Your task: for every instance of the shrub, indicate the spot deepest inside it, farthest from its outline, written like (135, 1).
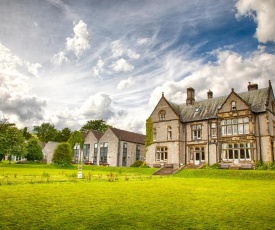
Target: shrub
(215, 166)
(137, 163)
(62, 154)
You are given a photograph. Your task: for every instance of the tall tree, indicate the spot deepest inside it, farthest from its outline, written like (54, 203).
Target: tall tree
(34, 150)
(12, 143)
(26, 133)
(63, 135)
(98, 125)
(45, 132)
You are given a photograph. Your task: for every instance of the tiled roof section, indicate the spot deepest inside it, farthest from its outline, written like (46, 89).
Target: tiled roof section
(256, 98)
(97, 134)
(207, 109)
(129, 136)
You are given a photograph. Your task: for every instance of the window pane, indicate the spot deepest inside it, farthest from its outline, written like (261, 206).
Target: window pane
(242, 154)
(228, 122)
(230, 155)
(224, 154)
(235, 129)
(235, 121)
(246, 128)
(229, 130)
(245, 120)
(223, 130)
(240, 127)
(248, 154)
(236, 154)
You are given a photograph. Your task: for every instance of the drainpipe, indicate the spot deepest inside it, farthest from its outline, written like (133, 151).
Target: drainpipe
(208, 142)
(185, 145)
(180, 160)
(118, 153)
(259, 133)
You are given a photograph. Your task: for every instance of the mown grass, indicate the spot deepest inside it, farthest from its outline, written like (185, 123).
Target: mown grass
(191, 199)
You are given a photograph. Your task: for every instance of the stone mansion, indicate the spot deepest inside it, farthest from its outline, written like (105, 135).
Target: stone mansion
(236, 129)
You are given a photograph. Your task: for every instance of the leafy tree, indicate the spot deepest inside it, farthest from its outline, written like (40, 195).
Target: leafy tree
(63, 154)
(98, 125)
(4, 124)
(63, 135)
(12, 143)
(45, 132)
(26, 134)
(34, 150)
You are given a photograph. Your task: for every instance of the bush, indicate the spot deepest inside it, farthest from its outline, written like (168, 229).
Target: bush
(63, 154)
(215, 166)
(137, 163)
(260, 165)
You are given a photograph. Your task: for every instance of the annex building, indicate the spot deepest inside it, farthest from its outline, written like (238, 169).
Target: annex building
(236, 129)
(115, 147)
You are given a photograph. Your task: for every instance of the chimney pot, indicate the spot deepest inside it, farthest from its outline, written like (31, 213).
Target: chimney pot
(209, 94)
(251, 87)
(190, 96)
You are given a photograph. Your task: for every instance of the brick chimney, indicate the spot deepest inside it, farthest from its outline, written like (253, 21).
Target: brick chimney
(251, 87)
(190, 96)
(209, 94)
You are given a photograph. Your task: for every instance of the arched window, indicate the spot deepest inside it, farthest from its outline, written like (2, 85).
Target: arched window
(162, 115)
(169, 133)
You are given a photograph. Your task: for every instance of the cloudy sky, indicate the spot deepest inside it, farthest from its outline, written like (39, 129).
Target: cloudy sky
(67, 62)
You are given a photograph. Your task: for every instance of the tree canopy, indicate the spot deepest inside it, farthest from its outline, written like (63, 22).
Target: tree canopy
(34, 150)
(45, 132)
(63, 135)
(97, 125)
(76, 138)
(12, 142)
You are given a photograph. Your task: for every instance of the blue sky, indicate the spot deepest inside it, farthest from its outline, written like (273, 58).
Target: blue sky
(67, 62)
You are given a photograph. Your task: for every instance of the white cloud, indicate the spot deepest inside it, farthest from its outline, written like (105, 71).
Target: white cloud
(33, 68)
(121, 65)
(143, 41)
(116, 48)
(125, 83)
(59, 58)
(15, 102)
(98, 69)
(80, 41)
(118, 51)
(132, 54)
(231, 70)
(263, 14)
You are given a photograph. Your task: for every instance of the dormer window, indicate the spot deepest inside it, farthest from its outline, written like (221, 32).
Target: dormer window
(233, 105)
(162, 115)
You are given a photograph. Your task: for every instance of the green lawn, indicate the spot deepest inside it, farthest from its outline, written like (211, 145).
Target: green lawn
(43, 197)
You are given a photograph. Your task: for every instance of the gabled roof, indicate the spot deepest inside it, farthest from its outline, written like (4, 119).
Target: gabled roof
(129, 136)
(97, 134)
(207, 109)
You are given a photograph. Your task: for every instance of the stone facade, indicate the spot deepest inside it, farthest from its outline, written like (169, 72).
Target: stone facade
(236, 129)
(48, 151)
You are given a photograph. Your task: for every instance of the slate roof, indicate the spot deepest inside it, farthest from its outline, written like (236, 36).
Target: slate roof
(97, 134)
(207, 109)
(129, 136)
